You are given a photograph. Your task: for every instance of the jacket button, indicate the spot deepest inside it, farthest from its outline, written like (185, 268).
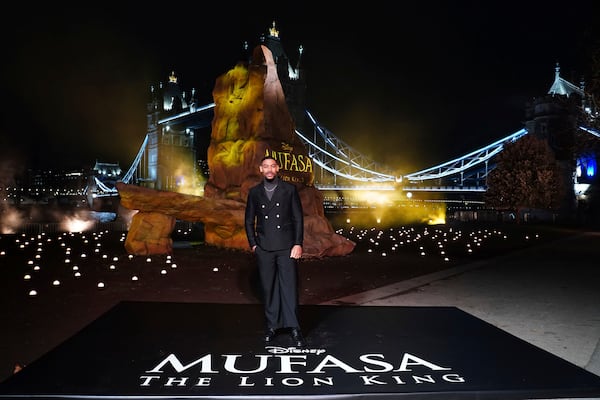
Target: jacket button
(277, 204)
(262, 206)
(277, 215)
(278, 226)
(266, 217)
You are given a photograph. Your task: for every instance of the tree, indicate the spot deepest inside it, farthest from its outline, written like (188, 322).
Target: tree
(526, 175)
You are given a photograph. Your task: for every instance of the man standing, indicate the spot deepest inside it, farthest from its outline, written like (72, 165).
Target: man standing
(274, 224)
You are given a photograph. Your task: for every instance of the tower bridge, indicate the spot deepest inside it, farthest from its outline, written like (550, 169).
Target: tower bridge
(340, 167)
(178, 128)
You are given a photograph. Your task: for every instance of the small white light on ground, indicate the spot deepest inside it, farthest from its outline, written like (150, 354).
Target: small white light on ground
(163, 271)
(33, 293)
(134, 278)
(173, 265)
(27, 277)
(100, 285)
(56, 282)
(77, 274)
(112, 267)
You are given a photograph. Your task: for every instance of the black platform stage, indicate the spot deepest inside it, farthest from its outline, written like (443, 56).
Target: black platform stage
(214, 351)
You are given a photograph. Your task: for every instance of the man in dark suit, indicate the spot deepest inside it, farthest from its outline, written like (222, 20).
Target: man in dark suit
(274, 224)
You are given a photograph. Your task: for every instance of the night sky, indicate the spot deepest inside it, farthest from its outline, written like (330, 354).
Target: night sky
(409, 85)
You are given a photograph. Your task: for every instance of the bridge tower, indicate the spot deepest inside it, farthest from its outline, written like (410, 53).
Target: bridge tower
(170, 155)
(555, 117)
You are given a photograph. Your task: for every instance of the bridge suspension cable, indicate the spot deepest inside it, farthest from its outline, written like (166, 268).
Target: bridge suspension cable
(590, 130)
(465, 162)
(103, 190)
(136, 162)
(340, 159)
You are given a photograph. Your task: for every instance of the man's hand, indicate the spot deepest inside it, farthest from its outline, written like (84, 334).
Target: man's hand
(296, 251)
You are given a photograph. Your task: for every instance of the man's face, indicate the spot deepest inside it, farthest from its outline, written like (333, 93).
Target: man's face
(269, 168)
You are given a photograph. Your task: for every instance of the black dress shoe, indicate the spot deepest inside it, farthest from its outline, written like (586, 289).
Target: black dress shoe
(297, 338)
(269, 335)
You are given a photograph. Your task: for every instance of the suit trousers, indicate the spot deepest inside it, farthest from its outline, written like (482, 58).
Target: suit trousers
(278, 278)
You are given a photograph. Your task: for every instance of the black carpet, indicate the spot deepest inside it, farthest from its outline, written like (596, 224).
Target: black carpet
(151, 350)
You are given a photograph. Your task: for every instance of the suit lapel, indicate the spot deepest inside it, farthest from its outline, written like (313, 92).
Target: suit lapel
(263, 195)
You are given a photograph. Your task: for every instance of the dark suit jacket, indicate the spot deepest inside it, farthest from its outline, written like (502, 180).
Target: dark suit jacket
(275, 224)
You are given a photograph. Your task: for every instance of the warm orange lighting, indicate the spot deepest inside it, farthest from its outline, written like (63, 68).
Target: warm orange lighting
(76, 224)
(436, 219)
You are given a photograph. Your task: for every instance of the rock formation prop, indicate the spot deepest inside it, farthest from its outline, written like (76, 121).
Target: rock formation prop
(251, 120)
(152, 224)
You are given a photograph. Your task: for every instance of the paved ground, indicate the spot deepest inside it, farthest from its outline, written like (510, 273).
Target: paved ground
(541, 285)
(547, 295)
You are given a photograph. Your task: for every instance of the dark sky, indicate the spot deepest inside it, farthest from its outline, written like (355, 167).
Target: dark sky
(409, 85)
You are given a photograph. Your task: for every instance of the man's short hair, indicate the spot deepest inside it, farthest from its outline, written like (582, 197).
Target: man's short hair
(269, 158)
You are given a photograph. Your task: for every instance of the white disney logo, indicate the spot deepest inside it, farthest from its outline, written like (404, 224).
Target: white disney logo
(292, 350)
